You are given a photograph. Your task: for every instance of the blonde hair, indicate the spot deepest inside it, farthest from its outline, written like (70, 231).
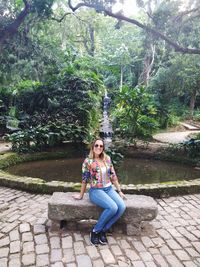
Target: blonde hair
(91, 153)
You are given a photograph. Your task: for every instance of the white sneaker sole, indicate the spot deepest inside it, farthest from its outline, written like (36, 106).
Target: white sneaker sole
(103, 243)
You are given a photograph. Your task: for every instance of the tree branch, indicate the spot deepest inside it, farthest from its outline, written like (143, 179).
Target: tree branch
(156, 33)
(149, 15)
(185, 13)
(61, 19)
(80, 5)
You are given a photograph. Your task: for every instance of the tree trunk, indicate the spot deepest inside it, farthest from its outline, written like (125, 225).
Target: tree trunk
(89, 43)
(192, 102)
(150, 52)
(148, 65)
(11, 29)
(121, 78)
(92, 46)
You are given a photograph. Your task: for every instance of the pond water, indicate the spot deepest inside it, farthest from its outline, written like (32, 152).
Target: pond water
(146, 171)
(131, 171)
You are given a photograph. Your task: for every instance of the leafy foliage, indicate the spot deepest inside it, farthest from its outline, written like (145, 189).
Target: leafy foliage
(65, 108)
(40, 137)
(135, 115)
(115, 155)
(190, 148)
(176, 84)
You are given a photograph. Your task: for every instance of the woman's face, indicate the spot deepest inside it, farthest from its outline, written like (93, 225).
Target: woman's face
(98, 147)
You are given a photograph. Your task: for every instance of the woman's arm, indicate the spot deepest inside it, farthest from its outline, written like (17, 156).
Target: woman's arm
(81, 194)
(117, 185)
(85, 179)
(114, 179)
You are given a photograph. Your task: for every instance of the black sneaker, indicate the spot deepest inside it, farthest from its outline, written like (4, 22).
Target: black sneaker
(102, 238)
(94, 238)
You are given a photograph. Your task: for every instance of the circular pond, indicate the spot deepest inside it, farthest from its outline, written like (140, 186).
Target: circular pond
(131, 171)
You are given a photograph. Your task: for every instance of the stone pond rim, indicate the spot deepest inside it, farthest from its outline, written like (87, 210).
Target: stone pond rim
(37, 185)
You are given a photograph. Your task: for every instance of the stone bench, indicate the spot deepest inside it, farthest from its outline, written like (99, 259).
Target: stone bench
(62, 206)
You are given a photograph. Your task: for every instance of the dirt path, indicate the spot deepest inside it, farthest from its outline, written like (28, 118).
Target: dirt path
(4, 146)
(173, 137)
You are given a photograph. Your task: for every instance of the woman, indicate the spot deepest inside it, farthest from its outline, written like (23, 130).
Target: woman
(98, 170)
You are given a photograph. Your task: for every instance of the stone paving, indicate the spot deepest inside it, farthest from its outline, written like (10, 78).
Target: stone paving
(172, 239)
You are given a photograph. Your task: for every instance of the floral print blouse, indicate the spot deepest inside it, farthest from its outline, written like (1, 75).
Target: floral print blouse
(91, 172)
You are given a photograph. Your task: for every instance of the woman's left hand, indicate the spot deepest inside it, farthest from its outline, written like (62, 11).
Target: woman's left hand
(122, 195)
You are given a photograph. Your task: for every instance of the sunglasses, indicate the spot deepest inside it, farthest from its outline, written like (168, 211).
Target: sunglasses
(101, 146)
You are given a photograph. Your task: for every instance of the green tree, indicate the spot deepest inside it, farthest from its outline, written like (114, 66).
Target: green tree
(14, 13)
(178, 79)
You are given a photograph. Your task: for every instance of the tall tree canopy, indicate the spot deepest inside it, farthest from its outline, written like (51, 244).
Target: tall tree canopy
(181, 19)
(40, 40)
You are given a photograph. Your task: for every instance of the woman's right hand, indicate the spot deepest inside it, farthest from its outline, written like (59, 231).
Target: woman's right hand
(77, 197)
(122, 195)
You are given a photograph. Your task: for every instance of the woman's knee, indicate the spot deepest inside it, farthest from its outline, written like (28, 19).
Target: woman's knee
(121, 208)
(113, 208)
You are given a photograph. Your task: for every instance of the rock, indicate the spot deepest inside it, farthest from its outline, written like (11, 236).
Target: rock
(4, 206)
(139, 208)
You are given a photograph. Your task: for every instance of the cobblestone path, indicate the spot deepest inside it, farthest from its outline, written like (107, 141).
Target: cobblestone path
(173, 239)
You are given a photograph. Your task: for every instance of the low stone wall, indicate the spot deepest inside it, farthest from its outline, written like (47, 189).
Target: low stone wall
(37, 185)
(40, 186)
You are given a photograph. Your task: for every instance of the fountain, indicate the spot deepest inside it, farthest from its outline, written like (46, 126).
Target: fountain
(106, 130)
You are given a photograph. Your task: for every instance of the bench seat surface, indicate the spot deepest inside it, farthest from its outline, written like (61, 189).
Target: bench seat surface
(62, 206)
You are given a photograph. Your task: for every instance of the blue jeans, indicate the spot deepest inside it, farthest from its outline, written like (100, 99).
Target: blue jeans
(111, 202)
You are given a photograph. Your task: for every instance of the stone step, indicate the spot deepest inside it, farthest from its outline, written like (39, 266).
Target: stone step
(189, 126)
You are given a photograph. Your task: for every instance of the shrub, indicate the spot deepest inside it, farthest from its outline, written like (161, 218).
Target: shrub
(65, 108)
(135, 113)
(41, 137)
